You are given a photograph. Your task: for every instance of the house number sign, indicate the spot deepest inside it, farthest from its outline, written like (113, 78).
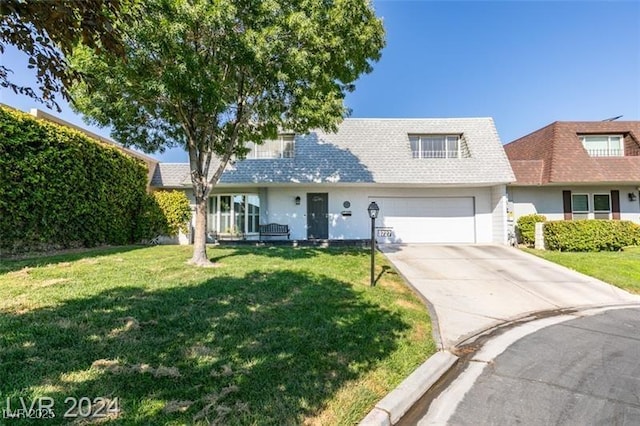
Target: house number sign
(384, 232)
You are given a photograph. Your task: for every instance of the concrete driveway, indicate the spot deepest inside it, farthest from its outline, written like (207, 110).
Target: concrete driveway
(471, 288)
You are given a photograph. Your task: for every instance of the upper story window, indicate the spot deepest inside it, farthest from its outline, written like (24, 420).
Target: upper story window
(282, 147)
(435, 146)
(603, 145)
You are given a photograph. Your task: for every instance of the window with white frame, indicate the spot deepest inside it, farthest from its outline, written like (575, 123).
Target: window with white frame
(435, 146)
(601, 206)
(234, 213)
(282, 147)
(580, 206)
(603, 145)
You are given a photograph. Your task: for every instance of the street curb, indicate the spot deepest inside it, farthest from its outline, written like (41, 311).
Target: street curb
(390, 409)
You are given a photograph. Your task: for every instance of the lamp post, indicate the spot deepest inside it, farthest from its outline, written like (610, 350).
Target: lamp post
(373, 210)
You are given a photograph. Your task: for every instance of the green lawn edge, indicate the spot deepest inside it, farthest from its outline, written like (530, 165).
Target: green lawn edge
(620, 268)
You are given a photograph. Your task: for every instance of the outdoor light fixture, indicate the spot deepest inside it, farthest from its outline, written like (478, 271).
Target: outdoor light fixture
(297, 200)
(373, 210)
(632, 196)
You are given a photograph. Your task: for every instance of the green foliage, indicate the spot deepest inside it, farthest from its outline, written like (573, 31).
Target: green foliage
(59, 188)
(48, 30)
(591, 235)
(213, 73)
(175, 209)
(163, 213)
(526, 227)
(151, 221)
(213, 76)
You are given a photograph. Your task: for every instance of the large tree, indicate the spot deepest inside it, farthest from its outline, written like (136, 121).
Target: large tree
(211, 76)
(48, 30)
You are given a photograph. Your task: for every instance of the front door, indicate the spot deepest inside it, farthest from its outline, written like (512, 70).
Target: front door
(318, 216)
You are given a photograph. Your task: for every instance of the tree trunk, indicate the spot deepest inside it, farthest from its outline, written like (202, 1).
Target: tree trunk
(200, 234)
(199, 162)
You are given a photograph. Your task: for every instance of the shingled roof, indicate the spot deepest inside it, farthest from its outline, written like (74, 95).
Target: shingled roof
(371, 151)
(555, 154)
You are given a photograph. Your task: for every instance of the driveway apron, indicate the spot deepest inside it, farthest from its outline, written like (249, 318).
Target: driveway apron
(471, 288)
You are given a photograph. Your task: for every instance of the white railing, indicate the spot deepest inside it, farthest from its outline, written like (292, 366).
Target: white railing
(436, 154)
(606, 152)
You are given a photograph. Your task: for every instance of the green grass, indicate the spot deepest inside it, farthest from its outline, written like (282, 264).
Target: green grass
(621, 268)
(273, 336)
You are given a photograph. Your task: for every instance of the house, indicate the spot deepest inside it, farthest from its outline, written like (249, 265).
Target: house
(577, 170)
(435, 181)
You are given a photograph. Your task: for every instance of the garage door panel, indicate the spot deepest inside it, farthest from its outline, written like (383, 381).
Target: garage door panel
(427, 219)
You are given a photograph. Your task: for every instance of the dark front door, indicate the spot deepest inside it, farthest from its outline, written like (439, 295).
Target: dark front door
(318, 216)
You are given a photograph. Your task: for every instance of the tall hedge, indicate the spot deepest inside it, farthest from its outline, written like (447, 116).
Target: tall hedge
(59, 188)
(590, 235)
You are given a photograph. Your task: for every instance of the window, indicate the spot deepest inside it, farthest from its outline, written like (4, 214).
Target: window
(239, 213)
(224, 225)
(229, 214)
(213, 205)
(601, 206)
(603, 145)
(435, 146)
(253, 213)
(580, 206)
(282, 147)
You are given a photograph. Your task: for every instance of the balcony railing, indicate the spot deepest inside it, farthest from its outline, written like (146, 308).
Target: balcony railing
(606, 152)
(436, 154)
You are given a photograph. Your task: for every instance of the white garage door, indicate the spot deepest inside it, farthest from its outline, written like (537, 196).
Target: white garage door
(426, 219)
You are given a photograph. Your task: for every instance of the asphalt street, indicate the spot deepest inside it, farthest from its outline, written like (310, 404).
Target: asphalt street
(583, 371)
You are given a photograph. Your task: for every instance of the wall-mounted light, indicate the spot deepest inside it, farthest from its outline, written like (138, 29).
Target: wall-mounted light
(632, 196)
(297, 200)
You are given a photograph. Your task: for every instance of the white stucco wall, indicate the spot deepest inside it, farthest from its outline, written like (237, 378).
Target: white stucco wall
(282, 208)
(499, 216)
(547, 200)
(278, 206)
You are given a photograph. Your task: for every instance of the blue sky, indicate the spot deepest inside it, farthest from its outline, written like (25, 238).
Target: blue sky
(524, 63)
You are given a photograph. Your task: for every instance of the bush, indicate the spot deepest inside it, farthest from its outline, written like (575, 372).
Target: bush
(591, 235)
(163, 213)
(526, 228)
(151, 221)
(175, 209)
(60, 188)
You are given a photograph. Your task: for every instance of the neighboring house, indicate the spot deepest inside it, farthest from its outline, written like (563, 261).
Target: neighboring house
(577, 170)
(435, 181)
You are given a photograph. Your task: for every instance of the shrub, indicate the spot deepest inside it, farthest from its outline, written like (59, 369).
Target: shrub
(176, 210)
(526, 227)
(151, 221)
(59, 188)
(591, 235)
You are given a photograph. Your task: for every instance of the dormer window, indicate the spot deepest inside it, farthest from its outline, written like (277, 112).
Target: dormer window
(282, 147)
(603, 145)
(436, 146)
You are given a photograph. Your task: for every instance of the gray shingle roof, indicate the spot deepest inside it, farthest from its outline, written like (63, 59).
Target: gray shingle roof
(170, 175)
(371, 151)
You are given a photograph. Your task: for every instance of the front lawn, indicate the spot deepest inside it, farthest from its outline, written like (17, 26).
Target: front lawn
(274, 336)
(621, 268)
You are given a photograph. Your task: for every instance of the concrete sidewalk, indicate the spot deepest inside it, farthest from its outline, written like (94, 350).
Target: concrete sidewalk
(472, 288)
